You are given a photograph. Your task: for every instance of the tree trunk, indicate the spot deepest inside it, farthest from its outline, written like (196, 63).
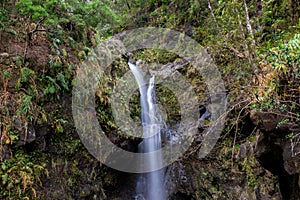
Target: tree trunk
(251, 50)
(248, 51)
(249, 27)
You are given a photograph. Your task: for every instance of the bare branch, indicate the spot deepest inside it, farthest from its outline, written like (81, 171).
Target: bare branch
(31, 33)
(212, 13)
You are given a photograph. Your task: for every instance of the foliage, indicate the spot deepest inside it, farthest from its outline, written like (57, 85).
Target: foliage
(71, 28)
(82, 13)
(247, 168)
(282, 75)
(286, 57)
(155, 56)
(3, 18)
(20, 176)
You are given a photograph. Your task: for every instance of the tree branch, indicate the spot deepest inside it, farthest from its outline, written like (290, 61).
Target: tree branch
(31, 33)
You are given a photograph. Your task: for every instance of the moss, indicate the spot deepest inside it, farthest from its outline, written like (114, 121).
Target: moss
(155, 56)
(247, 167)
(21, 175)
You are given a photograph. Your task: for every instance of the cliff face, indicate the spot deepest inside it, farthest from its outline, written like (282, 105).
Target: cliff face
(262, 164)
(256, 157)
(278, 152)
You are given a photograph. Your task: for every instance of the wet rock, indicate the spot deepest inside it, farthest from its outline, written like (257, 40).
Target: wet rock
(27, 136)
(139, 197)
(26, 131)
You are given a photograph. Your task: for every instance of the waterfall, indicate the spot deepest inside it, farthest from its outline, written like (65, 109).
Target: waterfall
(150, 186)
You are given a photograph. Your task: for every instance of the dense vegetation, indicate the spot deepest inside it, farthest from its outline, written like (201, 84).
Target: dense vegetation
(255, 44)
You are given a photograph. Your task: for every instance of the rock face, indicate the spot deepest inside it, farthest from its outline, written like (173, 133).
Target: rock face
(267, 167)
(264, 167)
(278, 150)
(29, 132)
(221, 176)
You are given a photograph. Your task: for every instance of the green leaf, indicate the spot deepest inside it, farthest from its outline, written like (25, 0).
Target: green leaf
(4, 178)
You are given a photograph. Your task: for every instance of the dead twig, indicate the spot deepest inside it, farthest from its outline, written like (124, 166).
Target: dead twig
(35, 29)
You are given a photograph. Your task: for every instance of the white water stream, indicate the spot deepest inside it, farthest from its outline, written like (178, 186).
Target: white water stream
(150, 186)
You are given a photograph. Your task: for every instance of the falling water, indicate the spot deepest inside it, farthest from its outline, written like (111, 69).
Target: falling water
(150, 186)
